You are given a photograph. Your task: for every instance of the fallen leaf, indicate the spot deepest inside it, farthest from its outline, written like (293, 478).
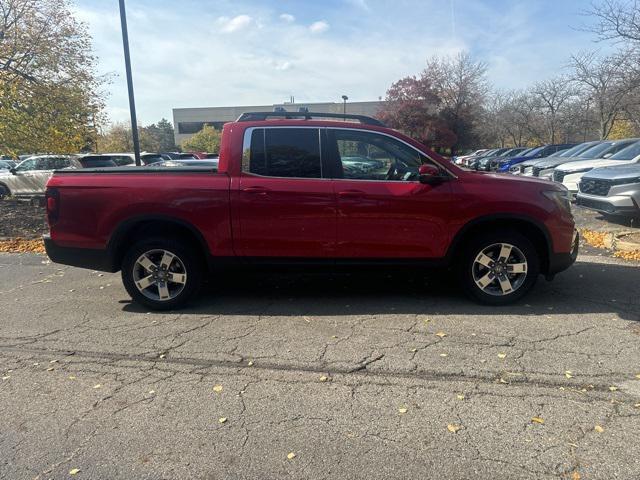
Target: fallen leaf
(613, 389)
(151, 392)
(637, 405)
(638, 376)
(568, 374)
(324, 378)
(502, 355)
(441, 334)
(50, 369)
(291, 456)
(414, 350)
(402, 409)
(444, 354)
(537, 420)
(453, 428)
(460, 397)
(7, 377)
(53, 361)
(307, 319)
(163, 356)
(74, 471)
(97, 386)
(575, 476)
(222, 419)
(217, 388)
(250, 363)
(72, 377)
(598, 429)
(502, 380)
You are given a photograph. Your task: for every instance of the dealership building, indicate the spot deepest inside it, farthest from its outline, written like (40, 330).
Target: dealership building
(188, 121)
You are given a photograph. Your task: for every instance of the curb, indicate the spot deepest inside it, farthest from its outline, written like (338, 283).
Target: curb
(615, 241)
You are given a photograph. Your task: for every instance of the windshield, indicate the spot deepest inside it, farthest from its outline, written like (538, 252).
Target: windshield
(629, 153)
(596, 151)
(533, 152)
(577, 150)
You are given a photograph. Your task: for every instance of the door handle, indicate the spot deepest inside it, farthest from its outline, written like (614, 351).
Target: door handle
(256, 190)
(351, 194)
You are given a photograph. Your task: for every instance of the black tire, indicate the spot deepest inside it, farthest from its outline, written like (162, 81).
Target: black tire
(187, 263)
(4, 192)
(470, 271)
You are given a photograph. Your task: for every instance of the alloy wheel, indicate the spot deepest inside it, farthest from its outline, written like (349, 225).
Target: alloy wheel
(159, 275)
(500, 269)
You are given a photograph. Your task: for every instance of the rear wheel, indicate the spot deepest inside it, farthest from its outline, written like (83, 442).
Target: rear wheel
(499, 268)
(161, 274)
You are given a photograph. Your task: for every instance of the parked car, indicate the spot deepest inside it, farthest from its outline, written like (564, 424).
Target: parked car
(485, 163)
(6, 165)
(611, 190)
(474, 162)
(459, 160)
(472, 158)
(527, 167)
(186, 163)
(570, 174)
(544, 151)
(94, 161)
(276, 199)
(602, 150)
(31, 175)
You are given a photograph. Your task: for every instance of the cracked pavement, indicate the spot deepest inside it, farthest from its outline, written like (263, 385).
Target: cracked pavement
(359, 375)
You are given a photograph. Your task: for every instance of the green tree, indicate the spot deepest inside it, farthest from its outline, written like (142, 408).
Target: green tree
(50, 98)
(206, 140)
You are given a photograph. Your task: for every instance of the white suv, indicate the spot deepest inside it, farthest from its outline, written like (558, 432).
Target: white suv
(569, 174)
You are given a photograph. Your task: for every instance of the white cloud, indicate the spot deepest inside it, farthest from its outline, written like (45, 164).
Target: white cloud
(287, 17)
(319, 27)
(230, 25)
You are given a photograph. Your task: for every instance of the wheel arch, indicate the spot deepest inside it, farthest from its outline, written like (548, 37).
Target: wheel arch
(533, 229)
(2, 184)
(133, 229)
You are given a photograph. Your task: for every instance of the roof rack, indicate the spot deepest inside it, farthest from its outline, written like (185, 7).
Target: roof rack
(259, 116)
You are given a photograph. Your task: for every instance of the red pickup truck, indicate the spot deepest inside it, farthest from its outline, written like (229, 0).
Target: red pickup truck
(310, 189)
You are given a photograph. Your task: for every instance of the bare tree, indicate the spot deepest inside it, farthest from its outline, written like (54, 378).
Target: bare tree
(617, 20)
(551, 98)
(608, 82)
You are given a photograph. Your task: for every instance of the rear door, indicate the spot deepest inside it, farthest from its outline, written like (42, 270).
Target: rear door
(384, 212)
(284, 203)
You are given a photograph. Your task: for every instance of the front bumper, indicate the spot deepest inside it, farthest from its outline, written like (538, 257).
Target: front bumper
(614, 205)
(79, 257)
(559, 262)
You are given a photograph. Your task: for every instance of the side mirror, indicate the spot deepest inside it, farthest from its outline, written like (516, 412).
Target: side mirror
(607, 155)
(13, 170)
(430, 175)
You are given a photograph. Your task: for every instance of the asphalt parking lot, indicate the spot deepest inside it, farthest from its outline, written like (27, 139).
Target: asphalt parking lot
(296, 376)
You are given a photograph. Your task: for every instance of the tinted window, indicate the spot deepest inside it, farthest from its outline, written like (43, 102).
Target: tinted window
(122, 160)
(97, 162)
(27, 165)
(597, 151)
(149, 159)
(286, 152)
(628, 153)
(370, 156)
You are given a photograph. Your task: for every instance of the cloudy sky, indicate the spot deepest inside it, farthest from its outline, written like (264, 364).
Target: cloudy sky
(192, 53)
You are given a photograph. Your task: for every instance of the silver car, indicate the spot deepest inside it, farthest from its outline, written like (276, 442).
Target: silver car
(611, 190)
(30, 177)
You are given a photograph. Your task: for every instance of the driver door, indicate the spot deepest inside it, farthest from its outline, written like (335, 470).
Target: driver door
(384, 212)
(20, 180)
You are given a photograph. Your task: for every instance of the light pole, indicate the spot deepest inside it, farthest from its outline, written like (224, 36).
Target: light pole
(127, 64)
(344, 108)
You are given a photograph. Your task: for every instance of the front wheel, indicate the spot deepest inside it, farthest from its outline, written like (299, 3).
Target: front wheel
(499, 268)
(161, 274)
(4, 192)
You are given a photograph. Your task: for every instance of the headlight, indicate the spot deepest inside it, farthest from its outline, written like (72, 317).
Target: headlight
(561, 198)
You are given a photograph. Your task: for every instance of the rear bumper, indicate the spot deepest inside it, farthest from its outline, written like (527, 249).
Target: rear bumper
(79, 257)
(559, 262)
